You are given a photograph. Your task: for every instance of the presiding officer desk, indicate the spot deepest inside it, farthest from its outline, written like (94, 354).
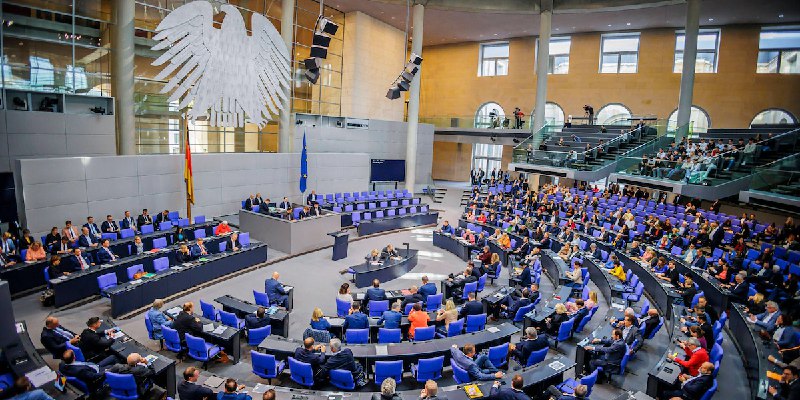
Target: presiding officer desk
(81, 284)
(25, 277)
(385, 270)
(536, 379)
(23, 359)
(138, 293)
(290, 237)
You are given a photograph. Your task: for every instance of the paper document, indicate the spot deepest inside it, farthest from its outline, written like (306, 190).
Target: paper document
(287, 288)
(220, 329)
(208, 327)
(381, 350)
(151, 358)
(118, 334)
(556, 365)
(261, 388)
(41, 376)
(493, 329)
(135, 281)
(213, 381)
(20, 327)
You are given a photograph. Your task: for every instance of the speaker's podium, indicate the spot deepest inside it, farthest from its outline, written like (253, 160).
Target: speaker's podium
(339, 244)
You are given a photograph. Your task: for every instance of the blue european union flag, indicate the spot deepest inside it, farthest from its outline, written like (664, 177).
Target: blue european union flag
(303, 166)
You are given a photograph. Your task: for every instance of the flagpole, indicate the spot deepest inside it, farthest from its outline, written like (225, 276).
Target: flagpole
(186, 150)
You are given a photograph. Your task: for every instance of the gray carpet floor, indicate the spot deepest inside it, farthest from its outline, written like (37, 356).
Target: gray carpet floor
(316, 279)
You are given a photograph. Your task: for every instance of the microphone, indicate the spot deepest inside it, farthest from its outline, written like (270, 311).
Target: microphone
(407, 250)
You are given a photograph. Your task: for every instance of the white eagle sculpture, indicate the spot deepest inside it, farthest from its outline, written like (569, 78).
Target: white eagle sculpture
(225, 74)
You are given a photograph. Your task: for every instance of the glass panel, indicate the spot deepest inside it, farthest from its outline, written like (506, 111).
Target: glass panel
(560, 46)
(628, 63)
(704, 62)
(767, 62)
(609, 65)
(620, 44)
(502, 66)
(773, 117)
(489, 115)
(553, 114)
(559, 64)
(699, 121)
(487, 68)
(775, 40)
(495, 50)
(613, 114)
(789, 64)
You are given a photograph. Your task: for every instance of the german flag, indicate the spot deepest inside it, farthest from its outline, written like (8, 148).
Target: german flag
(187, 173)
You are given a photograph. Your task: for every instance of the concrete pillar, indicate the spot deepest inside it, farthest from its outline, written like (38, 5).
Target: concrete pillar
(286, 127)
(542, 61)
(413, 102)
(689, 59)
(122, 73)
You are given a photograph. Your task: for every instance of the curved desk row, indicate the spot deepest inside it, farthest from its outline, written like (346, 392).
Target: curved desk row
(82, 284)
(386, 270)
(459, 247)
(370, 226)
(664, 375)
(140, 293)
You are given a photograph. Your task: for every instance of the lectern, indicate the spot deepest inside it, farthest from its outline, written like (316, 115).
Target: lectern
(339, 244)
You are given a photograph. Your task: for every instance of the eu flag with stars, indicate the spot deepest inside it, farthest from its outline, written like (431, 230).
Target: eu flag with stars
(303, 166)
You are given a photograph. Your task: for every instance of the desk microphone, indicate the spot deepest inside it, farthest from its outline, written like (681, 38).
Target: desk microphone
(407, 248)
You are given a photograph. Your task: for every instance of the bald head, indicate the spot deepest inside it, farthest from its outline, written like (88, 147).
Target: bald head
(276, 275)
(308, 342)
(134, 358)
(706, 368)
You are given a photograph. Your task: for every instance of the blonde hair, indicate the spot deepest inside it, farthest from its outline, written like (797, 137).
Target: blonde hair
(158, 303)
(495, 258)
(449, 305)
(758, 298)
(593, 296)
(316, 314)
(560, 308)
(374, 252)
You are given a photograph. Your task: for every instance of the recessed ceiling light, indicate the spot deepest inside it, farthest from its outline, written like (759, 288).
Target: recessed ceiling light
(495, 34)
(629, 24)
(780, 15)
(609, 24)
(710, 19)
(556, 28)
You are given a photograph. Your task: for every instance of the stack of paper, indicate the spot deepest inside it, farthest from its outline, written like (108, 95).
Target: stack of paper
(41, 376)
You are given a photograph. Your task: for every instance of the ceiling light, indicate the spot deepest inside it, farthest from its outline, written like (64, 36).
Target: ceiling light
(495, 34)
(711, 19)
(609, 24)
(779, 16)
(629, 24)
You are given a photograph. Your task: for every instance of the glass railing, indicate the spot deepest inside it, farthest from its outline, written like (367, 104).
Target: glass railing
(781, 177)
(523, 150)
(477, 122)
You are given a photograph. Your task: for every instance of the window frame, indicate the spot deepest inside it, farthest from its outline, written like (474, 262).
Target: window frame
(619, 54)
(682, 32)
(780, 51)
(481, 58)
(794, 118)
(694, 106)
(550, 56)
(487, 159)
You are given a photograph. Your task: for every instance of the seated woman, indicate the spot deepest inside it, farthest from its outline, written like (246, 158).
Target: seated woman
(494, 265)
(417, 318)
(447, 315)
(553, 323)
(481, 218)
(648, 255)
(565, 253)
(158, 319)
(137, 247)
(618, 272)
(318, 321)
(344, 293)
(183, 255)
(504, 242)
(26, 241)
(589, 303)
(179, 235)
(35, 252)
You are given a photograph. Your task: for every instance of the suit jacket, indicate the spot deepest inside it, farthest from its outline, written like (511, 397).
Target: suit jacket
(525, 277)
(251, 321)
(233, 243)
(695, 388)
(85, 373)
(316, 359)
(519, 303)
(578, 316)
(86, 240)
(109, 228)
(342, 360)
(196, 252)
(700, 262)
(740, 292)
(768, 326)
(191, 391)
(53, 342)
(374, 293)
(285, 205)
(182, 257)
(248, 204)
(427, 290)
(128, 223)
(696, 359)
(144, 220)
(789, 391)
(76, 265)
(412, 299)
(142, 374)
(65, 233)
(161, 218)
(524, 348)
(184, 323)
(649, 324)
(274, 290)
(90, 226)
(612, 352)
(506, 393)
(94, 344)
(104, 256)
(356, 320)
(471, 308)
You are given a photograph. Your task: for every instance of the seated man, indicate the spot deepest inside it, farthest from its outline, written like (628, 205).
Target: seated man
(275, 291)
(510, 306)
(109, 225)
(693, 388)
(92, 227)
(427, 288)
(610, 354)
(515, 392)
(471, 307)
(183, 255)
(105, 255)
(232, 243)
(162, 217)
(342, 359)
(374, 293)
(356, 319)
(311, 354)
(54, 337)
(199, 249)
(414, 297)
(89, 373)
(144, 219)
(232, 391)
(391, 319)
(530, 343)
(142, 372)
(257, 320)
(766, 320)
(188, 389)
(695, 356)
(389, 252)
(579, 314)
(128, 222)
(480, 369)
(87, 239)
(446, 228)
(81, 261)
(95, 343)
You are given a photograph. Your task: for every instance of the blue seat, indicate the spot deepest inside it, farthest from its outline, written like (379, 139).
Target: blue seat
(209, 311)
(123, 386)
(133, 269)
(230, 319)
(716, 353)
(342, 379)
(433, 302)
(568, 386)
(261, 298)
(161, 264)
(657, 328)
(110, 236)
(173, 215)
(342, 307)
(710, 393)
(475, 323)
(428, 369)
(376, 308)
(536, 357)
(199, 233)
(127, 233)
(200, 350)
(159, 243)
(223, 246)
(77, 350)
(388, 369)
(165, 226)
(496, 274)
(184, 222)
(199, 219)
(256, 335)
(357, 336)
(622, 364)
(244, 239)
(421, 334)
(389, 335)
(301, 372)
(482, 282)
(106, 281)
(520, 315)
(408, 308)
(148, 228)
(460, 375)
(498, 355)
(79, 384)
(172, 340)
(454, 328)
(585, 320)
(265, 366)
(471, 287)
(564, 331)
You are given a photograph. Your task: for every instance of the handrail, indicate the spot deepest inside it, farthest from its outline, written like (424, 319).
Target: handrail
(618, 138)
(737, 150)
(533, 134)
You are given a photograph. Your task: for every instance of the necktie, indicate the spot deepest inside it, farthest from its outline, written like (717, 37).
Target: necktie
(83, 262)
(63, 333)
(113, 257)
(71, 234)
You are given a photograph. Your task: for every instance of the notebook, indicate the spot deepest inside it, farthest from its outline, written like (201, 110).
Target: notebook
(213, 381)
(473, 391)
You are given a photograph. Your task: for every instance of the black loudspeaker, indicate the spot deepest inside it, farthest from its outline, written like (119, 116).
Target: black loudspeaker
(319, 52)
(312, 63)
(329, 27)
(407, 76)
(312, 75)
(415, 59)
(403, 86)
(393, 93)
(321, 40)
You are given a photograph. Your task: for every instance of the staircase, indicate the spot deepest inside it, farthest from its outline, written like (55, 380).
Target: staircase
(465, 196)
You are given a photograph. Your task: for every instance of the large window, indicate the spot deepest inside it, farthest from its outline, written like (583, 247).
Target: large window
(619, 53)
(487, 157)
(489, 115)
(494, 59)
(774, 116)
(553, 114)
(558, 62)
(707, 48)
(613, 114)
(778, 50)
(698, 121)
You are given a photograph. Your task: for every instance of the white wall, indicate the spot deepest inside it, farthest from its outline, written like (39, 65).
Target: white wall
(46, 134)
(383, 140)
(52, 190)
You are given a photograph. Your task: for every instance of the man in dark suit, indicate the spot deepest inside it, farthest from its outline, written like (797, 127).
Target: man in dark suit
(532, 342)
(789, 386)
(233, 242)
(128, 222)
(471, 307)
(142, 372)
(650, 322)
(693, 388)
(341, 359)
(190, 390)
(163, 217)
(311, 198)
(412, 298)
(249, 203)
(739, 290)
(87, 239)
(285, 204)
(199, 248)
(515, 392)
(524, 277)
(374, 293)
(687, 291)
(109, 225)
(427, 288)
(57, 268)
(579, 314)
(275, 291)
(54, 337)
(185, 321)
(144, 219)
(700, 260)
(510, 306)
(257, 320)
(92, 227)
(94, 344)
(105, 255)
(311, 354)
(89, 373)
(610, 354)
(81, 261)
(716, 235)
(356, 319)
